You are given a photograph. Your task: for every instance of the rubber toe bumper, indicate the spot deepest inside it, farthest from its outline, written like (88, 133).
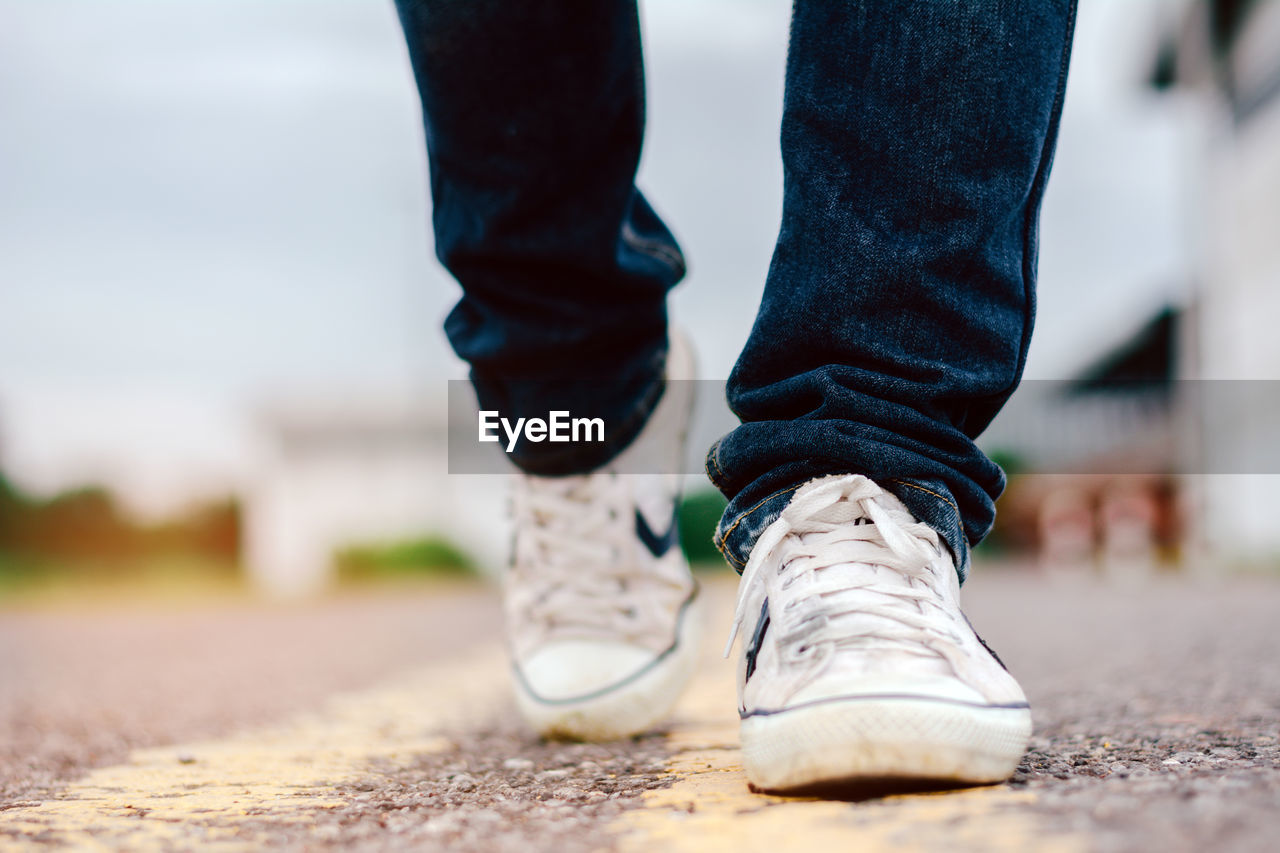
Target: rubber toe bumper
(838, 741)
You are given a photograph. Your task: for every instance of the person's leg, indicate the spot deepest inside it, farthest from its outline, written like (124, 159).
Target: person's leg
(917, 138)
(534, 114)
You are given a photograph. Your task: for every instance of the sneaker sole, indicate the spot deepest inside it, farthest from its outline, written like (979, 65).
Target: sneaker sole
(886, 742)
(634, 705)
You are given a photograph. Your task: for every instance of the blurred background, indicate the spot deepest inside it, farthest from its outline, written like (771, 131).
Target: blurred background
(221, 361)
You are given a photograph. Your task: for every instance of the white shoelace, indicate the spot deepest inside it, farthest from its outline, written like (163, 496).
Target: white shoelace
(820, 529)
(574, 568)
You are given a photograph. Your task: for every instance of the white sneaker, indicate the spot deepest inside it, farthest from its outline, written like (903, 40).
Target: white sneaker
(600, 604)
(858, 666)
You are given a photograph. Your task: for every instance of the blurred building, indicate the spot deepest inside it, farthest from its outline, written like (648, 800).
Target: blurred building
(1227, 52)
(360, 469)
(1105, 447)
(1169, 437)
(1116, 436)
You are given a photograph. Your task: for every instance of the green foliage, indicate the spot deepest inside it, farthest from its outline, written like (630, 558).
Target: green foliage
(427, 556)
(700, 512)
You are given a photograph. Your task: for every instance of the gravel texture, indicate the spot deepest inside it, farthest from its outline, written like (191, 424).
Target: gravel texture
(496, 789)
(1156, 707)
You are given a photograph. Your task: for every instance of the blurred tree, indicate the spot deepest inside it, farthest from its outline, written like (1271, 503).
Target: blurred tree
(85, 530)
(211, 530)
(11, 504)
(83, 523)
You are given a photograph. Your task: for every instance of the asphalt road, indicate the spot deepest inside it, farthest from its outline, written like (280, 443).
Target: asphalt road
(1157, 710)
(81, 683)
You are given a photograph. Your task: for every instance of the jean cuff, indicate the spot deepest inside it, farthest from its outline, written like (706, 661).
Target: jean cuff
(929, 502)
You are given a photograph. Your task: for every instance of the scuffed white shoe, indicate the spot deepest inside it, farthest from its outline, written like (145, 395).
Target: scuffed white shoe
(858, 666)
(600, 604)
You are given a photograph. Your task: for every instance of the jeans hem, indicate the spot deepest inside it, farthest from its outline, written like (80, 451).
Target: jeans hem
(737, 537)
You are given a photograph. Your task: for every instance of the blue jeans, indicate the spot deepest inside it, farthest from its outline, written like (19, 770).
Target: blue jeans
(917, 138)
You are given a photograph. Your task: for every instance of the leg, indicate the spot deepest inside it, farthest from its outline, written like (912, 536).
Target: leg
(534, 114)
(916, 139)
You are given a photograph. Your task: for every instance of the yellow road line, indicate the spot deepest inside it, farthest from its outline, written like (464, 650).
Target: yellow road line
(210, 794)
(216, 797)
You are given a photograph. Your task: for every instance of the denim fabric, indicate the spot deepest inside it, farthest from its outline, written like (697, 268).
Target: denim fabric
(534, 114)
(917, 138)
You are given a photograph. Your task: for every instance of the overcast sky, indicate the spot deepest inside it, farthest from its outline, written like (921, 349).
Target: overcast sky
(207, 204)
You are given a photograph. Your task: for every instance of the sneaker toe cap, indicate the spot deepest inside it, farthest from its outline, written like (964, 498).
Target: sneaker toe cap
(578, 669)
(931, 687)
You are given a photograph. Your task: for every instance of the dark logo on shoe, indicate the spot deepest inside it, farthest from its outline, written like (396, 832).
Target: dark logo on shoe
(658, 544)
(757, 637)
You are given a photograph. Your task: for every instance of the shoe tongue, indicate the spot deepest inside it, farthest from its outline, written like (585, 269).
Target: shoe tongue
(842, 512)
(848, 511)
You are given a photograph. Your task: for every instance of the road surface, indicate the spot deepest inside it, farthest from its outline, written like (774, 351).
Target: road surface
(382, 722)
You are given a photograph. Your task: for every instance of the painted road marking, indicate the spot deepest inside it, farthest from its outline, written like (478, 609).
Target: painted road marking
(161, 799)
